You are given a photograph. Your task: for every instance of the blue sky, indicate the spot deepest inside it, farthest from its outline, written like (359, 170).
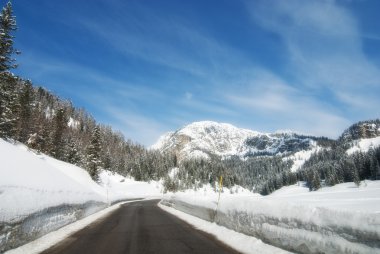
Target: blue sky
(147, 67)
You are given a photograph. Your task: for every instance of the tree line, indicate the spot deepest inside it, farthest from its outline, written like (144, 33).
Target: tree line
(335, 165)
(265, 173)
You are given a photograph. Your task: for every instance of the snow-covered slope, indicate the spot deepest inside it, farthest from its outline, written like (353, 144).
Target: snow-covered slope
(39, 194)
(363, 145)
(31, 182)
(202, 139)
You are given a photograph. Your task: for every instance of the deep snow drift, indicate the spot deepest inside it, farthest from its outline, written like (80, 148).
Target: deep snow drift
(39, 194)
(338, 219)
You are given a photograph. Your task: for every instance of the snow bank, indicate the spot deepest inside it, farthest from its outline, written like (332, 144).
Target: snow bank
(31, 183)
(238, 241)
(52, 238)
(286, 221)
(39, 194)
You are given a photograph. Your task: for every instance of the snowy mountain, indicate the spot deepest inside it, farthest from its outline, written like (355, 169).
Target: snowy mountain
(206, 138)
(361, 136)
(361, 130)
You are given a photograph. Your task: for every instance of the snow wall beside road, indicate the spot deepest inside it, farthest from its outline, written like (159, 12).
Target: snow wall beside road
(33, 226)
(295, 228)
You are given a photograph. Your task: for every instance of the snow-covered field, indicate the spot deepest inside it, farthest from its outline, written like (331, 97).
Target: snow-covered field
(39, 194)
(338, 219)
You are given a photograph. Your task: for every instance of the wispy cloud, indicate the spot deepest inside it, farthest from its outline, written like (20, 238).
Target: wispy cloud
(142, 128)
(324, 46)
(273, 100)
(171, 70)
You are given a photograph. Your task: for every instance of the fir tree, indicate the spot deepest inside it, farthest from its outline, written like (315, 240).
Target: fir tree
(7, 27)
(25, 113)
(9, 105)
(93, 154)
(57, 142)
(73, 155)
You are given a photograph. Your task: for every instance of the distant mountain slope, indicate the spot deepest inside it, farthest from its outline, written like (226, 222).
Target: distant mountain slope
(206, 138)
(361, 130)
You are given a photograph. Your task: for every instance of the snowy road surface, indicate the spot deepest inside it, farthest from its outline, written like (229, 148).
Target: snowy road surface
(140, 227)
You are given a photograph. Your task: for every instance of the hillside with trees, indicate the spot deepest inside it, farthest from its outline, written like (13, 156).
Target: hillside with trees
(51, 125)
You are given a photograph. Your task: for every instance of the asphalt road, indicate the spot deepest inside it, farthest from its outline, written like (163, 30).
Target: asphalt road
(139, 227)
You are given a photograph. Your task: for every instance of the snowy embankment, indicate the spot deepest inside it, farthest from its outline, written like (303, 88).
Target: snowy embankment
(238, 241)
(338, 219)
(39, 194)
(52, 238)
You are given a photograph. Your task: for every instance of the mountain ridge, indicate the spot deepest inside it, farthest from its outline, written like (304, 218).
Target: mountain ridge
(207, 138)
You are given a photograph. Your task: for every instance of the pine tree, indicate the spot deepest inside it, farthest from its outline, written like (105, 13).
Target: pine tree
(107, 161)
(93, 154)
(7, 27)
(9, 105)
(73, 155)
(120, 167)
(25, 113)
(57, 143)
(316, 181)
(8, 95)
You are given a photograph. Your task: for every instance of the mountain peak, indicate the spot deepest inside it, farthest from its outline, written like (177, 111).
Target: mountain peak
(202, 129)
(200, 139)
(207, 138)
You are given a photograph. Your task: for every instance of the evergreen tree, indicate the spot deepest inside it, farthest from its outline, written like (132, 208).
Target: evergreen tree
(25, 113)
(57, 143)
(7, 27)
(9, 105)
(93, 154)
(73, 155)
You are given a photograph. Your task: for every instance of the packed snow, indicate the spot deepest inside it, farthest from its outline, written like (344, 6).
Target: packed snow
(55, 237)
(341, 218)
(238, 241)
(364, 145)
